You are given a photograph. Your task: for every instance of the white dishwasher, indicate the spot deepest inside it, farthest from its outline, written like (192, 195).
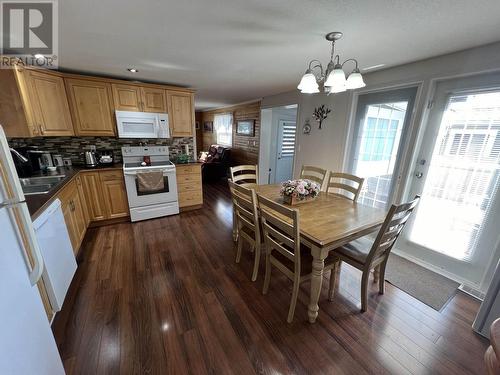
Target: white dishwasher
(57, 252)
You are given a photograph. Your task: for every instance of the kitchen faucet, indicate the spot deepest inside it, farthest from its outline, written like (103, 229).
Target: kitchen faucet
(20, 157)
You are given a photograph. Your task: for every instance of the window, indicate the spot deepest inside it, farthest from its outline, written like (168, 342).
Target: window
(223, 125)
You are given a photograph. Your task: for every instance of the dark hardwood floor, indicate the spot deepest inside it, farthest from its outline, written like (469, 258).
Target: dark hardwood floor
(164, 296)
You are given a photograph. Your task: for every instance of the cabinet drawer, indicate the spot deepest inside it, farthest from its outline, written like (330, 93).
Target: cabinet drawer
(190, 198)
(189, 178)
(188, 187)
(187, 169)
(111, 175)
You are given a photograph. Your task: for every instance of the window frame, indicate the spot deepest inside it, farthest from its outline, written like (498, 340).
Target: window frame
(229, 132)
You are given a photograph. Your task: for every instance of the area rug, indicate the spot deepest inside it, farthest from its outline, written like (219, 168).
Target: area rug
(427, 286)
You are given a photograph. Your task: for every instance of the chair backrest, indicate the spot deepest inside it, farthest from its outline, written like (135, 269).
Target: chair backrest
(394, 223)
(245, 174)
(280, 228)
(345, 185)
(245, 206)
(315, 174)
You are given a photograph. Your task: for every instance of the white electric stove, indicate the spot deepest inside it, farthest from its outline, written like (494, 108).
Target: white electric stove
(148, 205)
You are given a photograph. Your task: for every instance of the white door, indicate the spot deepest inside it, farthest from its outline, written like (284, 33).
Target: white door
(381, 124)
(285, 150)
(455, 227)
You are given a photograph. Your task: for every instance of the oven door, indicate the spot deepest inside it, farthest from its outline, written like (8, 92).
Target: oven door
(141, 199)
(137, 124)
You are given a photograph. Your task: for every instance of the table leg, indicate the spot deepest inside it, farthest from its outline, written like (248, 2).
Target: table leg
(318, 265)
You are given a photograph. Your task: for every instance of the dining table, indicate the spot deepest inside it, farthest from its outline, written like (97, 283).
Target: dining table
(327, 222)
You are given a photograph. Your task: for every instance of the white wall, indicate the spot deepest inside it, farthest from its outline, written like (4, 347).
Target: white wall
(326, 147)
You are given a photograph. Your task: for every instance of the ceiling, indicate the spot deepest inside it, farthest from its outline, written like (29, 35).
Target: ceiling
(233, 51)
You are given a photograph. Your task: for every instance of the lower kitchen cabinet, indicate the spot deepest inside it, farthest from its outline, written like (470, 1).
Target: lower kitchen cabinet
(189, 186)
(75, 212)
(93, 193)
(114, 193)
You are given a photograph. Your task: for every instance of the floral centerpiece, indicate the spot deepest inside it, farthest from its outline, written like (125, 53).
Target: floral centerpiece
(298, 191)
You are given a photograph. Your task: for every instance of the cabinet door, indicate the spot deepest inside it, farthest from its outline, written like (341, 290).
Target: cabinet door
(93, 196)
(115, 195)
(127, 97)
(154, 100)
(50, 104)
(79, 222)
(66, 197)
(90, 103)
(181, 113)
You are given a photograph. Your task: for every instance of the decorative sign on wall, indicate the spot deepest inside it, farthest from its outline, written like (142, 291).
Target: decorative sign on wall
(245, 127)
(320, 114)
(307, 127)
(208, 126)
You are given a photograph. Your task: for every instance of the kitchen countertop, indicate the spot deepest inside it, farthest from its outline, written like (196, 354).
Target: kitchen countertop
(37, 202)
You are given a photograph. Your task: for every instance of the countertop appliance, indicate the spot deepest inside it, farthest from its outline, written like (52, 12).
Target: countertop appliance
(148, 205)
(27, 345)
(106, 157)
(90, 159)
(142, 125)
(57, 252)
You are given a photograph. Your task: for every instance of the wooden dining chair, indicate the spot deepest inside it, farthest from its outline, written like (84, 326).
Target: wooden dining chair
(281, 232)
(344, 185)
(245, 174)
(315, 174)
(366, 255)
(247, 219)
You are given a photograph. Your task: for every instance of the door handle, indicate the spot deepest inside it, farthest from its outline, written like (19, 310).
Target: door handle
(419, 175)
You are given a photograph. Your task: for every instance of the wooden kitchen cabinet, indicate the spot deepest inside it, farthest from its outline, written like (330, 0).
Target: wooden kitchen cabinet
(139, 98)
(91, 107)
(181, 113)
(74, 212)
(127, 97)
(50, 104)
(189, 188)
(93, 194)
(114, 193)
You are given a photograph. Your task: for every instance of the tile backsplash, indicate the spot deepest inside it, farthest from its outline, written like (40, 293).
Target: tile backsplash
(72, 147)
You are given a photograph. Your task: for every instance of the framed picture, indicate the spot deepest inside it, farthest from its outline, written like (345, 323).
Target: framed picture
(246, 127)
(208, 126)
(197, 125)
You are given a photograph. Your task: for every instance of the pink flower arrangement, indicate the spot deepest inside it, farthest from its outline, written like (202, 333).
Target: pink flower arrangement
(300, 189)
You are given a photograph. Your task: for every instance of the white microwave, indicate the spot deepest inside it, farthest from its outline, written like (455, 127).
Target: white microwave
(142, 125)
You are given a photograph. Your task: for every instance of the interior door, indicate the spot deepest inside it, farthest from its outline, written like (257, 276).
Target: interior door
(458, 175)
(285, 150)
(381, 125)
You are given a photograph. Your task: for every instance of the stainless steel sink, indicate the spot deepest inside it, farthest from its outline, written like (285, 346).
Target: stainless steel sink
(40, 185)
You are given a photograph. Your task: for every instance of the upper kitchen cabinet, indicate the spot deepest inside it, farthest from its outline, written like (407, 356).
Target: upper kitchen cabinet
(91, 107)
(181, 113)
(51, 109)
(33, 104)
(139, 98)
(127, 97)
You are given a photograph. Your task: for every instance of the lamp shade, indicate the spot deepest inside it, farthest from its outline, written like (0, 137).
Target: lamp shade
(308, 84)
(355, 80)
(336, 80)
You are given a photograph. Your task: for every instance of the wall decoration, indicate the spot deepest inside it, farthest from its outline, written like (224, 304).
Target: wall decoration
(320, 114)
(197, 125)
(245, 127)
(208, 126)
(307, 128)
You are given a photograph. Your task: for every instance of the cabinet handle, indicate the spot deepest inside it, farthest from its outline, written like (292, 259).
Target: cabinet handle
(72, 205)
(41, 128)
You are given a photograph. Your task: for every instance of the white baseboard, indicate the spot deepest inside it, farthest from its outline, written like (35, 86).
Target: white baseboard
(470, 287)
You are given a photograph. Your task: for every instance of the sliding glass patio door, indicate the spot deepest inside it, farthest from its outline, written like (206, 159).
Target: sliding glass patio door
(457, 174)
(381, 125)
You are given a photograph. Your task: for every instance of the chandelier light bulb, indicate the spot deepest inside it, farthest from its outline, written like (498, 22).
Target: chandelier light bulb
(355, 80)
(308, 84)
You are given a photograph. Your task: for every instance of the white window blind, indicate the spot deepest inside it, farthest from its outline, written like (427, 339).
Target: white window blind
(463, 177)
(223, 125)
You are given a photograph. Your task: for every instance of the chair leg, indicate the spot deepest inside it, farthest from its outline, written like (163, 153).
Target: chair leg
(381, 281)
(256, 261)
(235, 227)
(293, 302)
(238, 252)
(331, 289)
(376, 274)
(267, 277)
(364, 291)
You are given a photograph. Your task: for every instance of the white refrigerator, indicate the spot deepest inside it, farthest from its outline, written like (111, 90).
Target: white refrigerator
(27, 345)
